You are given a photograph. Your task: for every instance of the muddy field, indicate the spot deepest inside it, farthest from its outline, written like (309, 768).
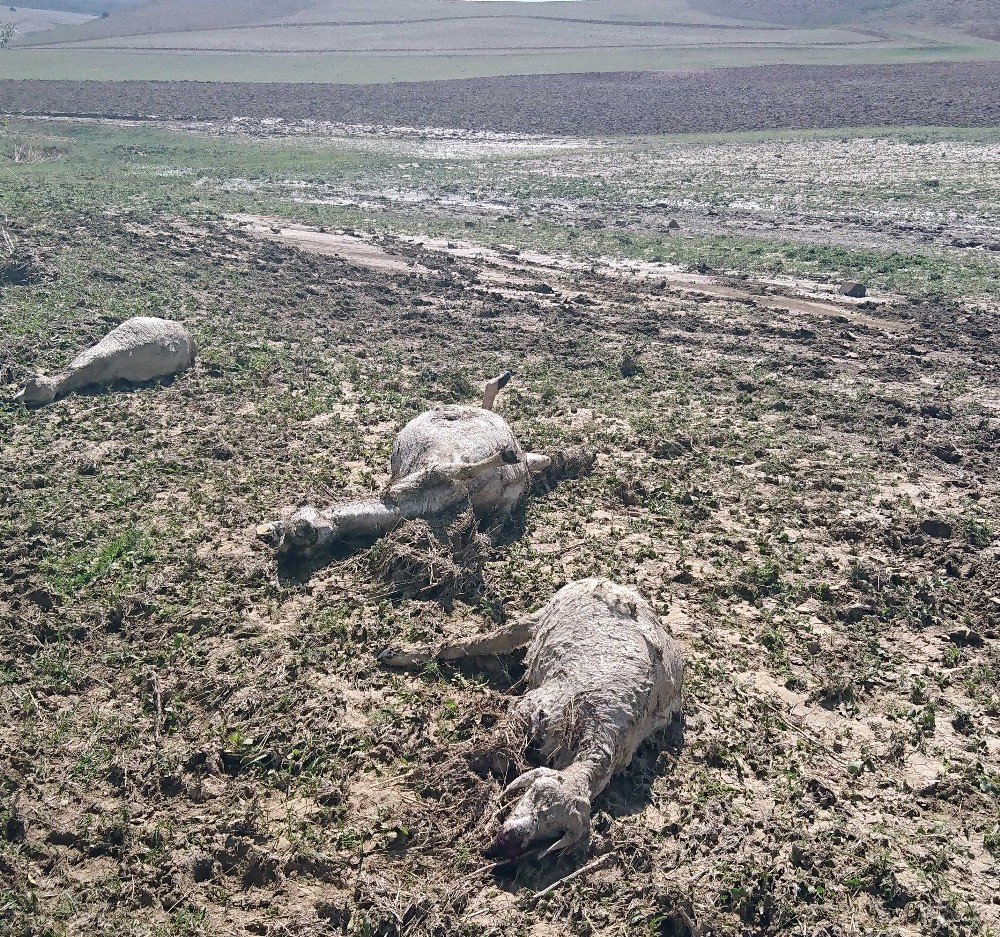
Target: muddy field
(737, 99)
(198, 741)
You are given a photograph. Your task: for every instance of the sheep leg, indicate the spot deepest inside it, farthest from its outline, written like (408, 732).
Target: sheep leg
(363, 518)
(448, 473)
(493, 388)
(502, 641)
(308, 531)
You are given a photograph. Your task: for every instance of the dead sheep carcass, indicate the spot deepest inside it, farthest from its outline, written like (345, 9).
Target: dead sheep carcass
(442, 459)
(603, 674)
(138, 350)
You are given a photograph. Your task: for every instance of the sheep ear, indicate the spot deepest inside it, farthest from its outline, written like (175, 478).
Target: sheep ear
(537, 462)
(522, 783)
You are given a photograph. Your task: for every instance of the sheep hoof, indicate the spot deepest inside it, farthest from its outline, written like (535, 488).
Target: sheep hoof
(269, 534)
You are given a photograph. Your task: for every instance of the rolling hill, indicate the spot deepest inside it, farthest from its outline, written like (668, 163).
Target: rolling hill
(84, 7)
(130, 19)
(356, 41)
(29, 20)
(976, 17)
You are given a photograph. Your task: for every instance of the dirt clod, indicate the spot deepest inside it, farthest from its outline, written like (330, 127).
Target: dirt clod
(937, 528)
(22, 268)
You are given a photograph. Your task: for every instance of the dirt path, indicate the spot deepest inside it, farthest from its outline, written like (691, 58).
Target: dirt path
(559, 276)
(355, 248)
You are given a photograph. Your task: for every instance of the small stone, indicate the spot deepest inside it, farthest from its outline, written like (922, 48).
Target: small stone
(44, 599)
(854, 290)
(965, 637)
(674, 225)
(939, 411)
(854, 613)
(949, 453)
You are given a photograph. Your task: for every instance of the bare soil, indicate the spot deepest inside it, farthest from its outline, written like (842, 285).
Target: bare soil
(728, 99)
(196, 741)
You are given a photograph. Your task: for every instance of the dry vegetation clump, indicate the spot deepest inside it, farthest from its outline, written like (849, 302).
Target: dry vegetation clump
(570, 462)
(27, 152)
(443, 557)
(438, 558)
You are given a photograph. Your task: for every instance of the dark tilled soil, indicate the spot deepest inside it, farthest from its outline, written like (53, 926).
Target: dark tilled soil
(735, 99)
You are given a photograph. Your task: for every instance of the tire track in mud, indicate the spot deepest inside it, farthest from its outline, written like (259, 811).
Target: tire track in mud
(553, 275)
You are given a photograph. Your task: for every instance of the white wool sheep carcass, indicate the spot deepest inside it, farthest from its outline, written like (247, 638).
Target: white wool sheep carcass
(441, 459)
(603, 674)
(138, 350)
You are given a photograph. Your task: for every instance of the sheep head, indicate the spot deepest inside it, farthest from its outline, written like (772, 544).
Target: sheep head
(537, 463)
(305, 532)
(554, 805)
(39, 390)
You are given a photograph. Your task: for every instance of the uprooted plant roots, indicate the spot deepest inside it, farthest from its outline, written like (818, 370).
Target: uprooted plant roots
(434, 558)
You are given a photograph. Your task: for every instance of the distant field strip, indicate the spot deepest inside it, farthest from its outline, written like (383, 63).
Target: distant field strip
(513, 50)
(31, 21)
(337, 43)
(358, 68)
(446, 38)
(42, 43)
(721, 100)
